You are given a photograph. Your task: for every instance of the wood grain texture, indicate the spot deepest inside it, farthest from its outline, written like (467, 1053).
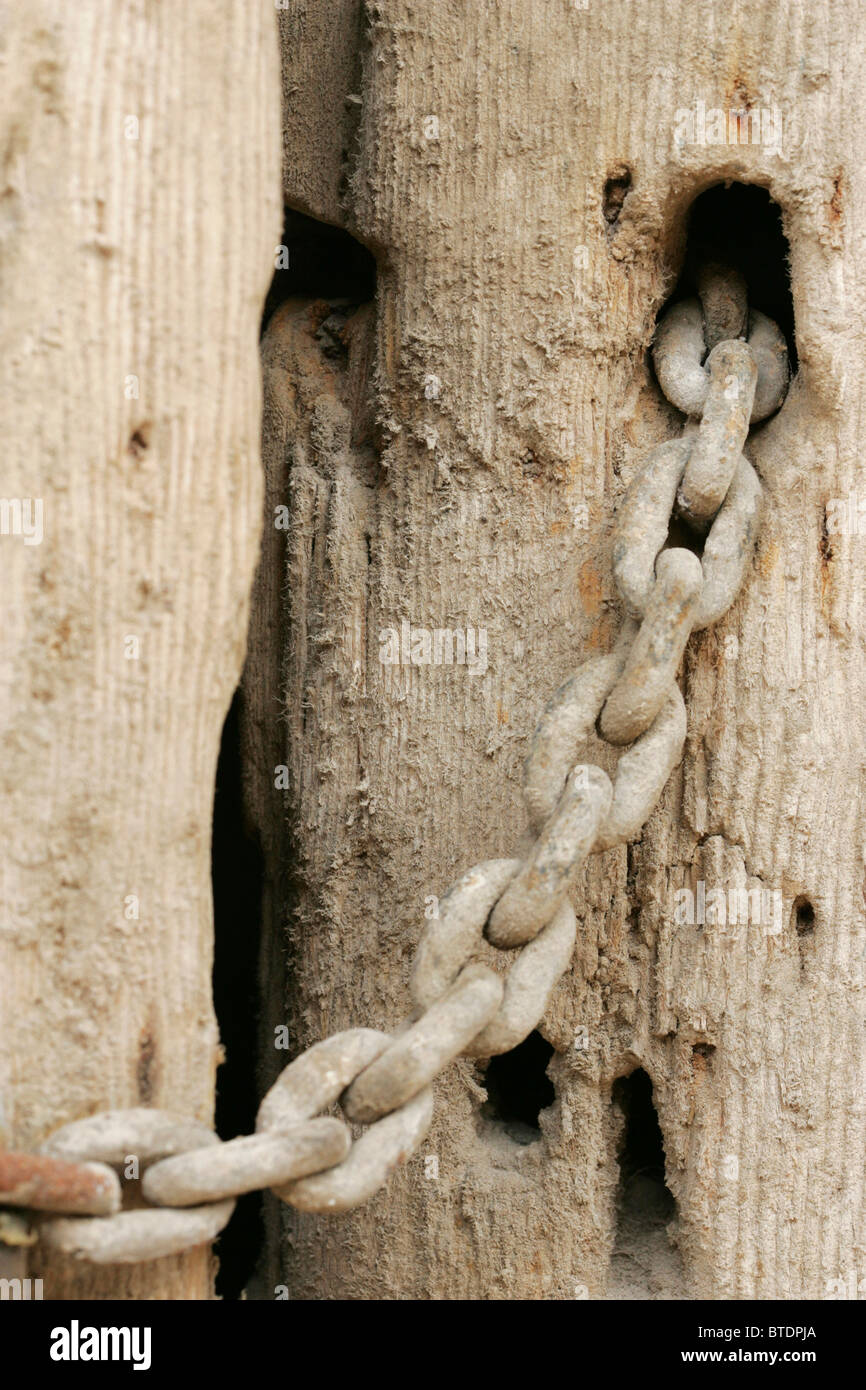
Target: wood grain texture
(125, 252)
(500, 276)
(320, 103)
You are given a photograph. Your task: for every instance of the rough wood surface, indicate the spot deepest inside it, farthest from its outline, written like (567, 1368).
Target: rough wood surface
(126, 251)
(320, 102)
(501, 276)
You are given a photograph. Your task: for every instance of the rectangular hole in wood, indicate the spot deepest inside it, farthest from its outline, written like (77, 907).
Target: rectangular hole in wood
(518, 1089)
(644, 1263)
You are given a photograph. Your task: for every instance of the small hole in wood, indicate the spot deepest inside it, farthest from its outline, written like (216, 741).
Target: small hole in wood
(642, 1153)
(616, 188)
(644, 1263)
(804, 916)
(518, 1088)
(139, 441)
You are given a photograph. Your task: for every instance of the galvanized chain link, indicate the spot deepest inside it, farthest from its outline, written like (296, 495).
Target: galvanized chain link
(722, 364)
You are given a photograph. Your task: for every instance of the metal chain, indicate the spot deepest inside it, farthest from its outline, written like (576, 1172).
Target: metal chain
(725, 367)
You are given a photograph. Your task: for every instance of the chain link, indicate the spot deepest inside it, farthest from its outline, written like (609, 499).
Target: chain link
(726, 366)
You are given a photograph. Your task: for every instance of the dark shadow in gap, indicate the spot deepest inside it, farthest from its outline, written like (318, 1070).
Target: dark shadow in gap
(323, 262)
(237, 885)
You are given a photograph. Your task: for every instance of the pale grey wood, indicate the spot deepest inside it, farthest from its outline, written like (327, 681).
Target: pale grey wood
(500, 276)
(138, 219)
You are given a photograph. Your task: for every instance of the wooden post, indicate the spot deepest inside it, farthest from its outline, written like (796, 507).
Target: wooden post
(523, 172)
(140, 212)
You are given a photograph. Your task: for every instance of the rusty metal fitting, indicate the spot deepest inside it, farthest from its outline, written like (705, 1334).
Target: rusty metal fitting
(57, 1184)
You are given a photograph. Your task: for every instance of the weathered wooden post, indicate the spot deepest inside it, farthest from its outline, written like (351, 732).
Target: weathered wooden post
(140, 214)
(524, 174)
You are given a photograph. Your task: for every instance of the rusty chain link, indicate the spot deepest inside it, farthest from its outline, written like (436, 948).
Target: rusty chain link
(721, 364)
